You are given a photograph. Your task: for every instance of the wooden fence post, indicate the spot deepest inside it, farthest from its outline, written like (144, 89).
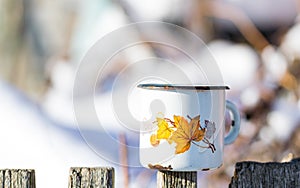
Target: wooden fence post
(82, 177)
(272, 174)
(14, 178)
(168, 179)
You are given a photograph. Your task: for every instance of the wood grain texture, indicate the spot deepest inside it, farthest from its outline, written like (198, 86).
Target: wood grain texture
(171, 179)
(272, 174)
(82, 177)
(17, 178)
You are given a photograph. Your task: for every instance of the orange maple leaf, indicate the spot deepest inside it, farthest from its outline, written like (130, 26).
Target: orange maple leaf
(176, 120)
(186, 133)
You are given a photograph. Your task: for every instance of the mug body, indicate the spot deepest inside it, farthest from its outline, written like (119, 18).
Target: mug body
(182, 129)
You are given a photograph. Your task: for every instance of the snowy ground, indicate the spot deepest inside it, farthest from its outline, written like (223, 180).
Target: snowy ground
(30, 139)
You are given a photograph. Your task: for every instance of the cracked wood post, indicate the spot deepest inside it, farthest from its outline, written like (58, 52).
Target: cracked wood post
(15, 178)
(174, 179)
(99, 177)
(272, 174)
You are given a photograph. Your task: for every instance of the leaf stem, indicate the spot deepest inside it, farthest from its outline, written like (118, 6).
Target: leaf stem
(210, 145)
(199, 145)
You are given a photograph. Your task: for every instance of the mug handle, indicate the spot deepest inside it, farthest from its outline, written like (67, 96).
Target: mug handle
(235, 127)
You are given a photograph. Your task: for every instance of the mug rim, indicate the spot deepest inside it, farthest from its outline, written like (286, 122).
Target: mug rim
(171, 87)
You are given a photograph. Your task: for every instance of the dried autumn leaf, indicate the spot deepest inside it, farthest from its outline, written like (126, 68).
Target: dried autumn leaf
(164, 131)
(176, 120)
(153, 140)
(210, 128)
(197, 133)
(160, 167)
(186, 133)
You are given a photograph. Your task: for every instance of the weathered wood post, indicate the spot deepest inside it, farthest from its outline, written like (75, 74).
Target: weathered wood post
(272, 174)
(168, 179)
(15, 178)
(82, 177)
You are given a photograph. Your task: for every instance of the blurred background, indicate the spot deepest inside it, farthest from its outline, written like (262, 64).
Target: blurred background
(256, 45)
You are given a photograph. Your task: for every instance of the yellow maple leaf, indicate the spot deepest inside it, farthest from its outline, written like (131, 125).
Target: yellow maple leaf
(164, 131)
(153, 140)
(186, 133)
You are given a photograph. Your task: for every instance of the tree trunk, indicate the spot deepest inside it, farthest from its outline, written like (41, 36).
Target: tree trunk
(81, 177)
(15, 178)
(170, 179)
(272, 174)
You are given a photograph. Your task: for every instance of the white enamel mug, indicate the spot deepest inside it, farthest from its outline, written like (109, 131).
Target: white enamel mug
(183, 126)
